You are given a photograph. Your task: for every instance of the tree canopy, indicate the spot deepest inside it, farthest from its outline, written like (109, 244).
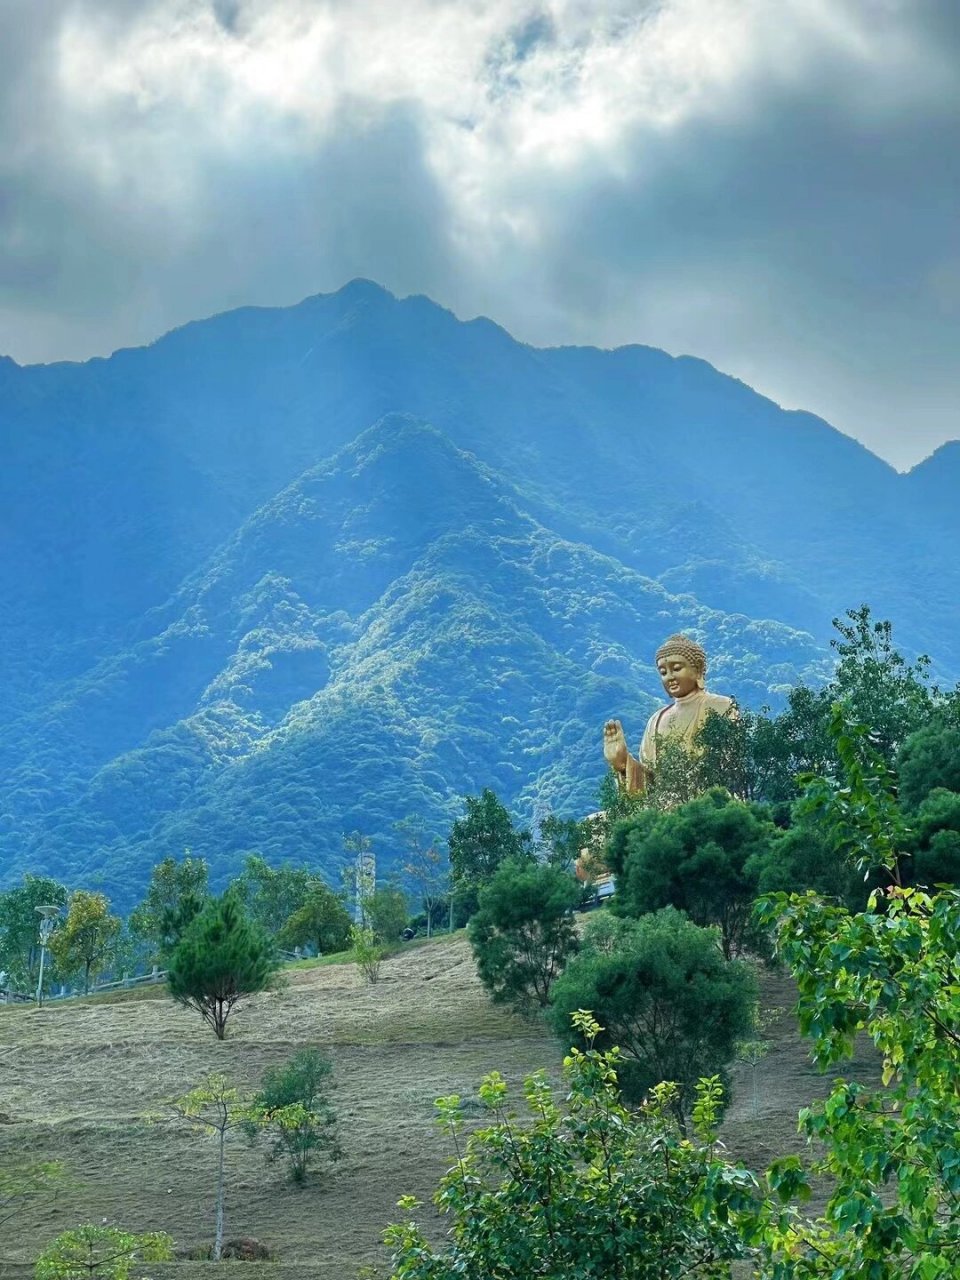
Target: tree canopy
(479, 841)
(321, 920)
(222, 957)
(930, 759)
(664, 994)
(177, 891)
(704, 857)
(19, 931)
(523, 932)
(86, 940)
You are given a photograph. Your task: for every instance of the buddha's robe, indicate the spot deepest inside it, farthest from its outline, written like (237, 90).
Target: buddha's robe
(683, 718)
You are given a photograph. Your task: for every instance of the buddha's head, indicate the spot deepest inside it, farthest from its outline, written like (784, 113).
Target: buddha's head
(682, 664)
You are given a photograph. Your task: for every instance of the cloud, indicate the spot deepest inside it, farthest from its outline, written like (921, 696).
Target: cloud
(772, 187)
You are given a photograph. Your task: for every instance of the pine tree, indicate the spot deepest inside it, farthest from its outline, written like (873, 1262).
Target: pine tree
(221, 957)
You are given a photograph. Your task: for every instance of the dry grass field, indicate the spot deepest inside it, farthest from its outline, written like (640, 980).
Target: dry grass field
(81, 1081)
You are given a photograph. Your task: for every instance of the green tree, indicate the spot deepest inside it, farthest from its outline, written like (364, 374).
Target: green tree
(562, 841)
(678, 778)
(19, 926)
(583, 1189)
(523, 932)
(934, 840)
(759, 757)
(100, 1253)
(782, 748)
(215, 1107)
(293, 1109)
(86, 940)
(367, 953)
(803, 857)
(221, 957)
(873, 680)
(479, 841)
(666, 997)
(930, 759)
(704, 858)
(322, 921)
(877, 684)
(891, 1152)
(176, 893)
(387, 914)
(271, 895)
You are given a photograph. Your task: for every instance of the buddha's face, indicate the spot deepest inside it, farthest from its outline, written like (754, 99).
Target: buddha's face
(678, 677)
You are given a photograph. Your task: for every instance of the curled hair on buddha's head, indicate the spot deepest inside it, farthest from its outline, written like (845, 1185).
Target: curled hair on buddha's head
(691, 652)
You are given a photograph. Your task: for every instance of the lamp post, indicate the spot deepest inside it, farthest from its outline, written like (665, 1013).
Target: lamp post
(48, 920)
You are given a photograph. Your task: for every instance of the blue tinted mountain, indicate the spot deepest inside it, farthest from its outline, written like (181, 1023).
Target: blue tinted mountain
(934, 487)
(251, 605)
(390, 632)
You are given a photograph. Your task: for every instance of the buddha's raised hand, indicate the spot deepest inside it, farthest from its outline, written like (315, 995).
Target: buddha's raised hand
(615, 746)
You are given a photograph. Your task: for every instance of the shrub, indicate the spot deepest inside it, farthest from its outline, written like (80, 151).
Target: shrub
(665, 995)
(524, 932)
(293, 1110)
(367, 953)
(100, 1253)
(586, 1190)
(704, 858)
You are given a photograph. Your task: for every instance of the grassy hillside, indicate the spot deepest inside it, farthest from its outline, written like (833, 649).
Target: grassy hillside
(80, 1081)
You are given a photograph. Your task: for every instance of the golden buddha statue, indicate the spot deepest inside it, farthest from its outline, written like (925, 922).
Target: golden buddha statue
(682, 664)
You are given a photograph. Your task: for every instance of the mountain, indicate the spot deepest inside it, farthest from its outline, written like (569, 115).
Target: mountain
(286, 573)
(934, 487)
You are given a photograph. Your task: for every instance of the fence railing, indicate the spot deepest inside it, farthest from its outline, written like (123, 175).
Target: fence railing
(9, 996)
(70, 993)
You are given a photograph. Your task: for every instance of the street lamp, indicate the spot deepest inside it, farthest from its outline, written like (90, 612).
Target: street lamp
(48, 920)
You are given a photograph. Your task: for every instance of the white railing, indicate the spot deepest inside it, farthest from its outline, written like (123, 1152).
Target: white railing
(9, 996)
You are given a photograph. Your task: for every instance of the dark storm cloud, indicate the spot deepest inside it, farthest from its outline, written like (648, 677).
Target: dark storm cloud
(775, 190)
(814, 251)
(107, 241)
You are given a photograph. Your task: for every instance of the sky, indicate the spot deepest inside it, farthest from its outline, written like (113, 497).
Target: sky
(772, 185)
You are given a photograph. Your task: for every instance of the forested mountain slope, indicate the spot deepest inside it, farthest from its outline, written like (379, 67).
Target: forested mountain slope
(388, 633)
(287, 573)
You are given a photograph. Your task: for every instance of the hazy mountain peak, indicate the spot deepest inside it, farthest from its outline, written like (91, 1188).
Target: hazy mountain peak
(361, 287)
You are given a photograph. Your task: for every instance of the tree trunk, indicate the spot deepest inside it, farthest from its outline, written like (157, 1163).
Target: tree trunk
(218, 1238)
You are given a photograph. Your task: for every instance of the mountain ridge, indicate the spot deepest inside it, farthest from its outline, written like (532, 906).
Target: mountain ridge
(475, 647)
(288, 572)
